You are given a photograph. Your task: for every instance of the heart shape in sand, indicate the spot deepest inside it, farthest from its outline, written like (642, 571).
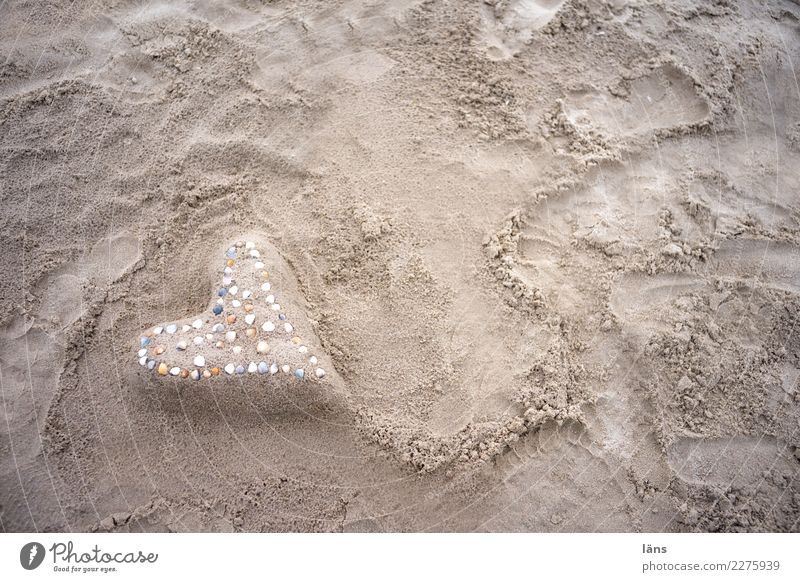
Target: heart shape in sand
(253, 325)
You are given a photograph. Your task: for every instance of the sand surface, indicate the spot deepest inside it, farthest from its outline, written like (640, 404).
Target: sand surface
(550, 251)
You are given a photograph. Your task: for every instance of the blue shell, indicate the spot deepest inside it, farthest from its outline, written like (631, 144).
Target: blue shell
(217, 309)
(300, 373)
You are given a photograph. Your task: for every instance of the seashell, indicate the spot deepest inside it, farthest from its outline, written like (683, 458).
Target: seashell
(262, 347)
(250, 318)
(319, 372)
(288, 327)
(220, 344)
(195, 374)
(281, 316)
(273, 369)
(302, 349)
(236, 350)
(248, 307)
(230, 369)
(185, 328)
(209, 336)
(249, 245)
(163, 369)
(276, 307)
(231, 318)
(227, 271)
(252, 367)
(263, 367)
(197, 340)
(285, 368)
(246, 294)
(180, 346)
(255, 254)
(230, 263)
(227, 280)
(265, 274)
(250, 332)
(158, 330)
(266, 286)
(158, 350)
(215, 371)
(199, 361)
(268, 326)
(197, 323)
(230, 335)
(151, 364)
(231, 253)
(313, 360)
(143, 341)
(142, 352)
(171, 328)
(184, 373)
(270, 299)
(217, 309)
(143, 360)
(240, 369)
(174, 371)
(239, 244)
(236, 303)
(218, 327)
(258, 265)
(206, 373)
(234, 290)
(299, 373)
(296, 340)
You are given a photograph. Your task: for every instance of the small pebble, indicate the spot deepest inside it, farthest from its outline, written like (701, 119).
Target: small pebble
(230, 263)
(199, 361)
(206, 373)
(281, 316)
(270, 299)
(266, 286)
(220, 344)
(230, 369)
(158, 350)
(218, 327)
(197, 340)
(296, 340)
(285, 368)
(258, 265)
(142, 352)
(185, 328)
(265, 274)
(180, 346)
(230, 336)
(252, 367)
(313, 360)
(158, 330)
(197, 323)
(231, 253)
(246, 294)
(231, 318)
(268, 326)
(299, 373)
(248, 307)
(184, 373)
(288, 327)
(250, 332)
(302, 349)
(175, 371)
(217, 309)
(143, 360)
(209, 336)
(163, 369)
(320, 372)
(227, 271)
(195, 374)
(263, 368)
(151, 364)
(250, 318)
(143, 341)
(276, 307)
(255, 254)
(172, 328)
(240, 370)
(236, 303)
(262, 347)
(273, 369)
(234, 290)
(215, 371)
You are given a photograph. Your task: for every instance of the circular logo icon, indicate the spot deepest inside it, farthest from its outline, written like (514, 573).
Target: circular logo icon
(31, 555)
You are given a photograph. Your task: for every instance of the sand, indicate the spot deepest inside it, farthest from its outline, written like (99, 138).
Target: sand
(549, 250)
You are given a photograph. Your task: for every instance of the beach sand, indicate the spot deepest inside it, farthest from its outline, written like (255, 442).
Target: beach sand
(549, 250)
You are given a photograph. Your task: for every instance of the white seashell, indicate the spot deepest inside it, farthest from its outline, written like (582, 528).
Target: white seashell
(276, 307)
(175, 371)
(246, 294)
(268, 326)
(197, 323)
(302, 349)
(237, 350)
(220, 301)
(319, 372)
(273, 369)
(266, 287)
(181, 345)
(249, 245)
(218, 327)
(143, 361)
(258, 265)
(227, 271)
(198, 340)
(226, 280)
(285, 368)
(252, 368)
(313, 360)
(142, 352)
(236, 303)
(233, 290)
(270, 299)
(199, 361)
(194, 374)
(186, 328)
(230, 336)
(171, 328)
(230, 369)
(288, 327)
(250, 318)
(158, 330)
(262, 347)
(255, 254)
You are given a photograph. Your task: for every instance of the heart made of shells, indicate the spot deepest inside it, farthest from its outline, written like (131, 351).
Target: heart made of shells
(246, 330)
